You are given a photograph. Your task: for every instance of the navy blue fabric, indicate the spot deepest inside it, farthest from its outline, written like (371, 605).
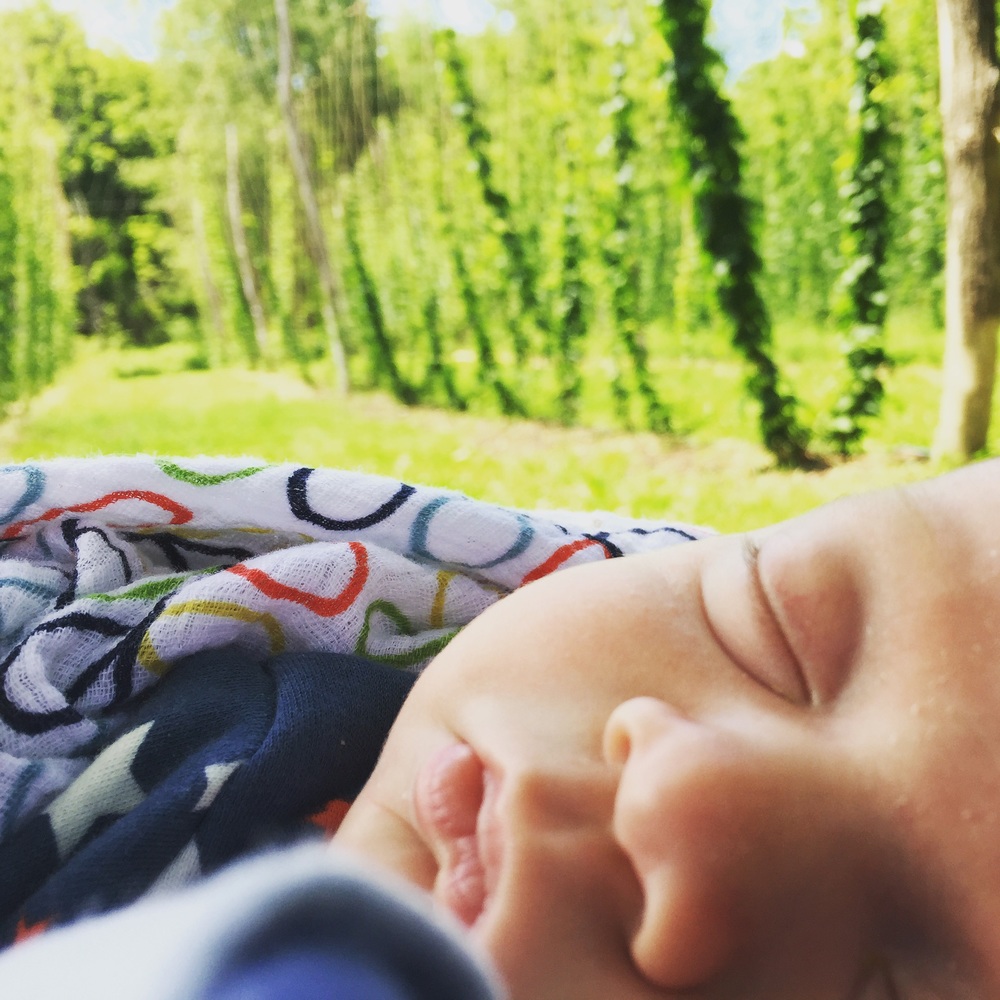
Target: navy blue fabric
(309, 974)
(289, 733)
(352, 918)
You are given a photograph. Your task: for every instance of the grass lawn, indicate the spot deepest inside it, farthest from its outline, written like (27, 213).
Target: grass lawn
(119, 402)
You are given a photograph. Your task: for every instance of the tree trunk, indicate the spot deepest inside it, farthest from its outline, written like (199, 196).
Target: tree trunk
(971, 116)
(234, 202)
(317, 236)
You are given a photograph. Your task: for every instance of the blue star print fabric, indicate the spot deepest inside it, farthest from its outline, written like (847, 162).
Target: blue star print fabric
(223, 758)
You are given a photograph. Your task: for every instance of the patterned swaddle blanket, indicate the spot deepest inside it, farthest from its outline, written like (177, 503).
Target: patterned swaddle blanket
(118, 773)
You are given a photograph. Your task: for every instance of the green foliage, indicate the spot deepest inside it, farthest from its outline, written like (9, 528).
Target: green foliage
(120, 234)
(620, 249)
(915, 256)
(230, 46)
(8, 269)
(489, 371)
(37, 283)
(572, 316)
(798, 146)
(505, 245)
(384, 367)
(519, 269)
(723, 215)
(220, 61)
(439, 370)
(868, 217)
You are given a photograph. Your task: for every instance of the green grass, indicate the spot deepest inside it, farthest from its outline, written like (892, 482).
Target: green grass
(122, 402)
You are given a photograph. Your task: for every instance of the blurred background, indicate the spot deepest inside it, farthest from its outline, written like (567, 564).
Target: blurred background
(669, 259)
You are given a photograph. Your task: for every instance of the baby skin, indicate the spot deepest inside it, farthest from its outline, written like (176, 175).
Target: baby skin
(753, 766)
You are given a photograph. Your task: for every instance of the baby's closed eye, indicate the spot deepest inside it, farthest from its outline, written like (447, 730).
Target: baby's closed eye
(739, 614)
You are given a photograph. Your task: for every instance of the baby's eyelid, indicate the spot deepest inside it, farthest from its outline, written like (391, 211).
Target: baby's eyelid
(751, 555)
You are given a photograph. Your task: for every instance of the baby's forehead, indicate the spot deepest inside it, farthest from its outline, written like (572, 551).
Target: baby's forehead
(938, 509)
(964, 495)
(965, 498)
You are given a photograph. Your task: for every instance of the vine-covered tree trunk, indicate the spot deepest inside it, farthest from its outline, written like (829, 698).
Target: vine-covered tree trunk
(317, 235)
(234, 204)
(970, 106)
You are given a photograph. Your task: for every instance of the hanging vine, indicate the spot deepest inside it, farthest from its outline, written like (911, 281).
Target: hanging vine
(282, 260)
(620, 247)
(572, 314)
(383, 358)
(867, 215)
(723, 215)
(521, 272)
(8, 276)
(439, 371)
(489, 372)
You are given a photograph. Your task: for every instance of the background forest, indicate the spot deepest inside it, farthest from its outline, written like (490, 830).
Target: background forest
(510, 222)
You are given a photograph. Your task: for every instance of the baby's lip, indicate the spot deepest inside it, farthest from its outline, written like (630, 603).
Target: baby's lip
(455, 801)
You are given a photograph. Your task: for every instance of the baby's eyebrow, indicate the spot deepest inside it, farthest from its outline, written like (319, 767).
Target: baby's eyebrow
(751, 550)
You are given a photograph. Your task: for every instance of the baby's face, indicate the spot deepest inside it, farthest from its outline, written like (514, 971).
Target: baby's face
(761, 766)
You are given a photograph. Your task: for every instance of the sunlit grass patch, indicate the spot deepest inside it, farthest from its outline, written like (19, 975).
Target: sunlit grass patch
(714, 472)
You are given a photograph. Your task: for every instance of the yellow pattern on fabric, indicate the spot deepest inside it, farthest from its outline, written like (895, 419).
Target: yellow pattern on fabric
(209, 534)
(150, 660)
(444, 577)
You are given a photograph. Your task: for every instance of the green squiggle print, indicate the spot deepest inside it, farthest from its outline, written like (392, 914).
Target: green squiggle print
(412, 656)
(152, 590)
(203, 478)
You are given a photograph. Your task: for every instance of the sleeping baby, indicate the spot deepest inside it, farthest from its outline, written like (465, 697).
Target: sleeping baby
(758, 766)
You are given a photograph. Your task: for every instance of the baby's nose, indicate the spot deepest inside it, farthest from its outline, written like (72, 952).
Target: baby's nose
(695, 815)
